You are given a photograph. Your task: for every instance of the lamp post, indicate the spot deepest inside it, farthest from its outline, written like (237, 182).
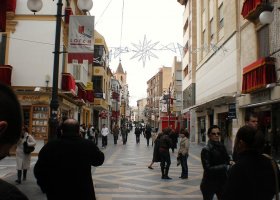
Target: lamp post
(35, 6)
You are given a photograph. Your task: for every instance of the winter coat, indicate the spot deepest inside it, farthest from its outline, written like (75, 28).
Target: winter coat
(184, 146)
(252, 177)
(215, 162)
(23, 160)
(63, 168)
(156, 155)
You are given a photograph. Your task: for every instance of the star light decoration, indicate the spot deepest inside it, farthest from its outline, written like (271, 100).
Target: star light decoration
(144, 49)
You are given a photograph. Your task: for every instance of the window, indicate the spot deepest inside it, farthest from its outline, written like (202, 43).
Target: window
(3, 38)
(186, 26)
(263, 42)
(76, 70)
(221, 16)
(97, 84)
(186, 47)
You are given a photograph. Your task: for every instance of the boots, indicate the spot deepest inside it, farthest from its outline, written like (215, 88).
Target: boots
(166, 173)
(24, 174)
(162, 172)
(19, 172)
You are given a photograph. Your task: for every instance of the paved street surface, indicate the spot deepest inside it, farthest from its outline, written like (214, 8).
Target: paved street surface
(124, 174)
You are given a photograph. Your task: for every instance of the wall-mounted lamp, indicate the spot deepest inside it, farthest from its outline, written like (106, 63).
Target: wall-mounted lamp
(266, 17)
(272, 85)
(238, 94)
(47, 79)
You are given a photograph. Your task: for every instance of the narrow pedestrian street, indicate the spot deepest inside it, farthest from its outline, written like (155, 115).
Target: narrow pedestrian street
(125, 174)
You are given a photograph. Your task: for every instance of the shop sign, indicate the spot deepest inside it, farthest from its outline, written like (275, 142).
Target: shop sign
(232, 111)
(33, 98)
(261, 96)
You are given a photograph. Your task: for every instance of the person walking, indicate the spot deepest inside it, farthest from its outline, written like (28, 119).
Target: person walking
(116, 132)
(63, 168)
(23, 159)
(156, 156)
(254, 174)
(10, 133)
(137, 132)
(164, 146)
(124, 131)
(216, 162)
(104, 133)
(148, 133)
(183, 153)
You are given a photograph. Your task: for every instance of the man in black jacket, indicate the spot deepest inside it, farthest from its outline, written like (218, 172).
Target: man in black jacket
(63, 168)
(253, 176)
(165, 144)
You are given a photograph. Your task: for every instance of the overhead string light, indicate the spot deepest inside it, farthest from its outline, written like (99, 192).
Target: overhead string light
(121, 32)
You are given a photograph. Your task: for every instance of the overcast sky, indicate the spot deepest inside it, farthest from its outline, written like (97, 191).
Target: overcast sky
(159, 21)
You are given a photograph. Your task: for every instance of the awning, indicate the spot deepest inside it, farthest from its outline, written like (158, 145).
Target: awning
(6, 74)
(258, 74)
(82, 93)
(252, 8)
(249, 6)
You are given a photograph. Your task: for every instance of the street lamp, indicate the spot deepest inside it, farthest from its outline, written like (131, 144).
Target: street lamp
(35, 6)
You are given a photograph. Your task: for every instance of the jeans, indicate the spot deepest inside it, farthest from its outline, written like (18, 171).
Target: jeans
(184, 165)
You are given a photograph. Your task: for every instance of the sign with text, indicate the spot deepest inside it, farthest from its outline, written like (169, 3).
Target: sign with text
(80, 42)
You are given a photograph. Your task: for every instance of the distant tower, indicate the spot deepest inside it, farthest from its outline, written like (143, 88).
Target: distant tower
(120, 75)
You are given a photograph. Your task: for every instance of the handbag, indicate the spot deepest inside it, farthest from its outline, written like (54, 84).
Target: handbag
(27, 149)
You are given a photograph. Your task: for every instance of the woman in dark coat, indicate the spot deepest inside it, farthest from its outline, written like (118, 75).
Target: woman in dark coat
(156, 156)
(215, 161)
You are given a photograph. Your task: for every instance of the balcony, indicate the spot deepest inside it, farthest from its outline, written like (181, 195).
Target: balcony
(252, 8)
(258, 74)
(68, 83)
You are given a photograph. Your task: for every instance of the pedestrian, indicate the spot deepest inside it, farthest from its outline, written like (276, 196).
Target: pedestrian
(90, 132)
(10, 133)
(174, 138)
(148, 133)
(254, 174)
(216, 162)
(251, 119)
(183, 153)
(104, 133)
(164, 146)
(154, 136)
(156, 156)
(137, 132)
(63, 168)
(96, 135)
(124, 133)
(116, 132)
(23, 159)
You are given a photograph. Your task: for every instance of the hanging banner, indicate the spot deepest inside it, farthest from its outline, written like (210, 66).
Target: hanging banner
(80, 39)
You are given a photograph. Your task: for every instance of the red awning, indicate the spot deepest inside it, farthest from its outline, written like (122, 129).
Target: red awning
(6, 74)
(249, 6)
(90, 95)
(68, 82)
(258, 74)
